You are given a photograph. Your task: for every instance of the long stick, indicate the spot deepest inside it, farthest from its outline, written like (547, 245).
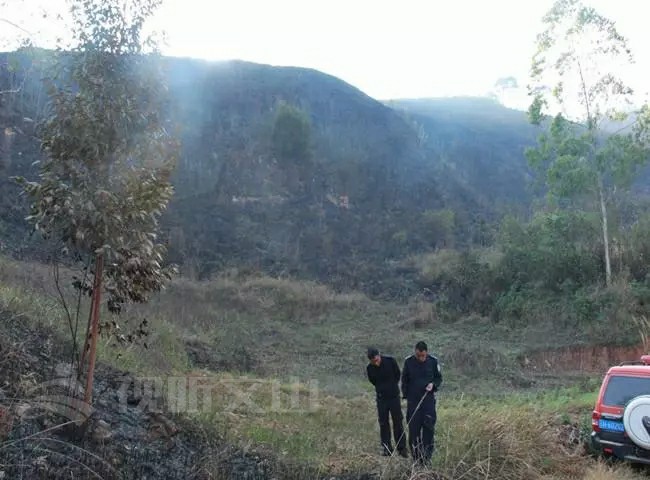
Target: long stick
(57, 283)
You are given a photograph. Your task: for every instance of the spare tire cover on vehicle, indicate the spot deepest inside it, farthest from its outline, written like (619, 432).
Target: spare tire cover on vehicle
(635, 411)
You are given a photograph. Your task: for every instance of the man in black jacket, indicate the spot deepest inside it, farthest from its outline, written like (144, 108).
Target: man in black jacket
(383, 372)
(421, 378)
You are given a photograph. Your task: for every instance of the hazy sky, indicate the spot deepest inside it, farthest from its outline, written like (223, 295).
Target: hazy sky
(389, 49)
(407, 48)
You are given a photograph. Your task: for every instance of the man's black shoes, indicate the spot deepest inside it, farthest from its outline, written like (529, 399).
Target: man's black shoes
(402, 453)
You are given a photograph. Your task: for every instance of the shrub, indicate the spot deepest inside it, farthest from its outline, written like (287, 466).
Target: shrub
(461, 282)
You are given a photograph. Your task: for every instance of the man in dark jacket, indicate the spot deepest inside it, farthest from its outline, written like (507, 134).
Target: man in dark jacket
(421, 378)
(383, 372)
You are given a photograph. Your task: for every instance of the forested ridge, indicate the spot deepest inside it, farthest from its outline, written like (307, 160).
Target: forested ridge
(291, 172)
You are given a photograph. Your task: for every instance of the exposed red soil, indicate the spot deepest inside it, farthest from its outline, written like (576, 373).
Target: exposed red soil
(585, 359)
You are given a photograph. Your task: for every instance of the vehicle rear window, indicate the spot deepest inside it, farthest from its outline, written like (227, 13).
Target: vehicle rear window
(622, 389)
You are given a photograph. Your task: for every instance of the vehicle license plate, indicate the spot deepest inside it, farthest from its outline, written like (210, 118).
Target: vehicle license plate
(611, 425)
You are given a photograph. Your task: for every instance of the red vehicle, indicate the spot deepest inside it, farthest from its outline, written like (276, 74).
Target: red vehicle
(621, 418)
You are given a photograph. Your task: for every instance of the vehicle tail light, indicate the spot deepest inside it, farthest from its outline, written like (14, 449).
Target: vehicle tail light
(595, 416)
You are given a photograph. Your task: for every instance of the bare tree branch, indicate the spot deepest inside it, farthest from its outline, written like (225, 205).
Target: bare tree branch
(583, 84)
(15, 25)
(626, 126)
(57, 283)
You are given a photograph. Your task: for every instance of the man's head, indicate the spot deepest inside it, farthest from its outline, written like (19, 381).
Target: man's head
(421, 351)
(373, 356)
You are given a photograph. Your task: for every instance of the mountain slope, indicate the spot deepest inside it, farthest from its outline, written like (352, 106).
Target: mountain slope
(480, 140)
(375, 177)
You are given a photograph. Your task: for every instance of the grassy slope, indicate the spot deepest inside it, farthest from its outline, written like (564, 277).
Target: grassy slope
(278, 329)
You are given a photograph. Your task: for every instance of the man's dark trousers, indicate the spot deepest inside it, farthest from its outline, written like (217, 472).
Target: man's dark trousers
(422, 425)
(391, 407)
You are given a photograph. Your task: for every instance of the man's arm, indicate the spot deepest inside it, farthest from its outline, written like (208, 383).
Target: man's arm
(437, 375)
(371, 376)
(396, 371)
(405, 379)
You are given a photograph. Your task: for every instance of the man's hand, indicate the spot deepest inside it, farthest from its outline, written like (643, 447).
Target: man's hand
(429, 387)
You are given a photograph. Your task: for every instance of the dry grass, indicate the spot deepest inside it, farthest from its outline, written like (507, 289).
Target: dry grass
(477, 438)
(430, 265)
(299, 328)
(422, 315)
(29, 275)
(642, 324)
(305, 330)
(198, 304)
(308, 330)
(601, 471)
(501, 441)
(27, 290)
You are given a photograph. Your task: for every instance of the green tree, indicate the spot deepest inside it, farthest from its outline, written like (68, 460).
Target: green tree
(574, 73)
(552, 253)
(291, 146)
(292, 150)
(108, 156)
(439, 227)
